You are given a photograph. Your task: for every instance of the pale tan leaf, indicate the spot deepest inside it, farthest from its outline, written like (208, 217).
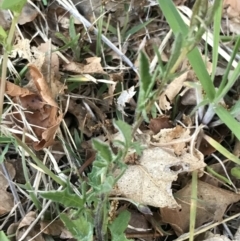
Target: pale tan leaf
(149, 183)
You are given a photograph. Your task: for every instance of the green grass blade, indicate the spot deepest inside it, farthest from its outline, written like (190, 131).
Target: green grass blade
(216, 37)
(39, 163)
(199, 67)
(177, 25)
(176, 51)
(135, 29)
(173, 17)
(225, 85)
(222, 149)
(229, 120)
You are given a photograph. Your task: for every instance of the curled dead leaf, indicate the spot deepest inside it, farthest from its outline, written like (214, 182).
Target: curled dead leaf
(39, 108)
(211, 205)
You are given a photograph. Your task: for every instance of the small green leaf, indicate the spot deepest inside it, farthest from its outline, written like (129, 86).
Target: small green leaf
(235, 171)
(146, 85)
(3, 237)
(80, 228)
(72, 31)
(3, 34)
(119, 225)
(125, 130)
(64, 197)
(13, 5)
(103, 150)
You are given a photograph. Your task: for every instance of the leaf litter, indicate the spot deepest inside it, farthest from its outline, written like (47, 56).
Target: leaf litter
(171, 151)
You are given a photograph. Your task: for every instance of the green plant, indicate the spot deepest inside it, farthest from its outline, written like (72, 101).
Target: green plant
(72, 41)
(107, 168)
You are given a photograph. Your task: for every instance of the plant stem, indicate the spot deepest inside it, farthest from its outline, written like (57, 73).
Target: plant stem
(7, 47)
(193, 207)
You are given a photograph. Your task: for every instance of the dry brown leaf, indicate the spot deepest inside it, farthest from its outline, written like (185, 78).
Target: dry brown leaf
(211, 205)
(48, 136)
(24, 224)
(6, 198)
(54, 60)
(189, 97)
(32, 54)
(42, 86)
(233, 8)
(171, 91)
(28, 14)
(93, 65)
(41, 110)
(55, 228)
(170, 135)
(86, 123)
(149, 183)
(159, 123)
(15, 90)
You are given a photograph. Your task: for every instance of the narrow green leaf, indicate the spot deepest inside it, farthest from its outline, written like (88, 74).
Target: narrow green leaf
(80, 228)
(3, 34)
(135, 29)
(229, 120)
(225, 85)
(200, 70)
(62, 37)
(72, 31)
(3, 237)
(217, 175)
(222, 149)
(125, 130)
(173, 17)
(145, 76)
(103, 150)
(5, 150)
(177, 25)
(216, 37)
(69, 44)
(38, 162)
(64, 197)
(175, 53)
